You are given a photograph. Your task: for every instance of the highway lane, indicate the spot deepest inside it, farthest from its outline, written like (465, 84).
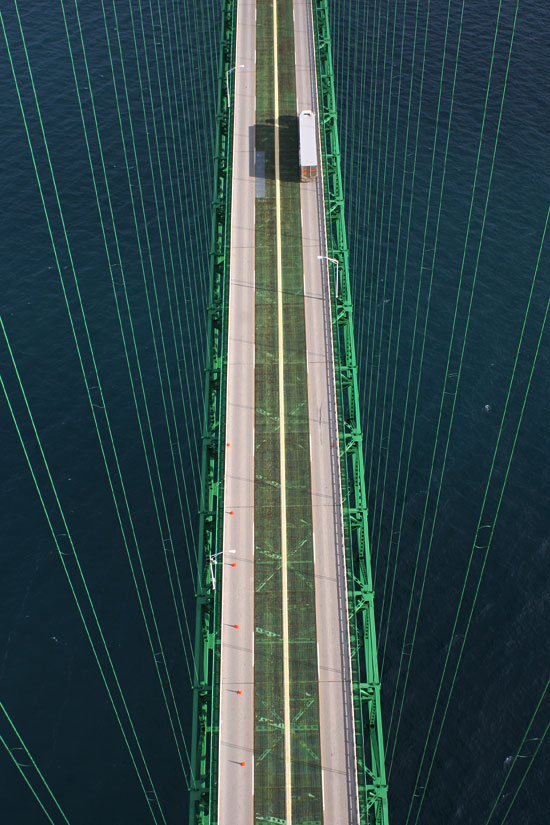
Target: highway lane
(236, 780)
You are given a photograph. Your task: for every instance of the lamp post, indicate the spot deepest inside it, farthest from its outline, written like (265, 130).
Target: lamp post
(213, 560)
(333, 261)
(228, 72)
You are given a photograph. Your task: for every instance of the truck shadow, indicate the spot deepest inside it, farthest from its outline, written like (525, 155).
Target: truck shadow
(261, 142)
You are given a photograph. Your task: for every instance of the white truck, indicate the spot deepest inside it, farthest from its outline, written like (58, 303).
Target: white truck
(308, 145)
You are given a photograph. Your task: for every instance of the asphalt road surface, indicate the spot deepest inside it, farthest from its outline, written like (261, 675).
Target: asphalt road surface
(256, 181)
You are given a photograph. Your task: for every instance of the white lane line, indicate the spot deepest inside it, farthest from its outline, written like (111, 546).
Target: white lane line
(284, 571)
(318, 664)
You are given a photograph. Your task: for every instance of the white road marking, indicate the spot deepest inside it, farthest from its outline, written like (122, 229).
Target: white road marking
(318, 671)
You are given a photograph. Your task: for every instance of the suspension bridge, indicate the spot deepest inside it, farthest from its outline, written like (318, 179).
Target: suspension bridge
(295, 687)
(272, 705)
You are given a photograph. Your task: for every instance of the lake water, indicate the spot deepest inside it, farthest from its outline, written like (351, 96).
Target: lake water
(163, 67)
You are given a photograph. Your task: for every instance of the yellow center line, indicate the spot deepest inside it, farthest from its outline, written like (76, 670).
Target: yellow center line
(286, 679)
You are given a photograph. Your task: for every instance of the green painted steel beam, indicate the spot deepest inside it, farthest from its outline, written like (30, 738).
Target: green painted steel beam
(204, 744)
(369, 744)
(373, 799)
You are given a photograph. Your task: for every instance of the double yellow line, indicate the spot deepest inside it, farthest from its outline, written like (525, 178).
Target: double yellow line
(284, 555)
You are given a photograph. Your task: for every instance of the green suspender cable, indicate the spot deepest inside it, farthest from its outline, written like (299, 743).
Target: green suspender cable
(22, 768)
(84, 602)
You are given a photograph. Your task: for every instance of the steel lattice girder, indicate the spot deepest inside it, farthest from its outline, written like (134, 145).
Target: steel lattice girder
(204, 745)
(370, 748)
(371, 769)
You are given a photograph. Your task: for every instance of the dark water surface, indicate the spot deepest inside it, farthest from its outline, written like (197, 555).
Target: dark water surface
(49, 682)
(407, 257)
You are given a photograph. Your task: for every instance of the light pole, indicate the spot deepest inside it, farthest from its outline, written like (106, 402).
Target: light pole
(333, 261)
(213, 560)
(228, 72)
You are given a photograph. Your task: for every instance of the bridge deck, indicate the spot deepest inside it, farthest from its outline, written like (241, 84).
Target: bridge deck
(286, 707)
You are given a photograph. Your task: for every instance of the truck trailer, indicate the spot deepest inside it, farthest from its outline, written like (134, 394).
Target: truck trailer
(308, 146)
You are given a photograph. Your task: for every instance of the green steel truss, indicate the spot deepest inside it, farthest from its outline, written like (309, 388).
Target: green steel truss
(368, 726)
(368, 721)
(204, 745)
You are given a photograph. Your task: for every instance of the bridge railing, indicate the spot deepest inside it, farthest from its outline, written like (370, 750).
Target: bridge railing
(204, 753)
(366, 688)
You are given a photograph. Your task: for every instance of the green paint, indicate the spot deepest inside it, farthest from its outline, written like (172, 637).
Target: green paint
(204, 745)
(269, 742)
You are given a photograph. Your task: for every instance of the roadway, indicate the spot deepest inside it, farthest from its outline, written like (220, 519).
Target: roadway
(238, 572)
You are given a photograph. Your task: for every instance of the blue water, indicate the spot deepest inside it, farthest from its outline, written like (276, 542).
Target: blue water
(504, 666)
(49, 682)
